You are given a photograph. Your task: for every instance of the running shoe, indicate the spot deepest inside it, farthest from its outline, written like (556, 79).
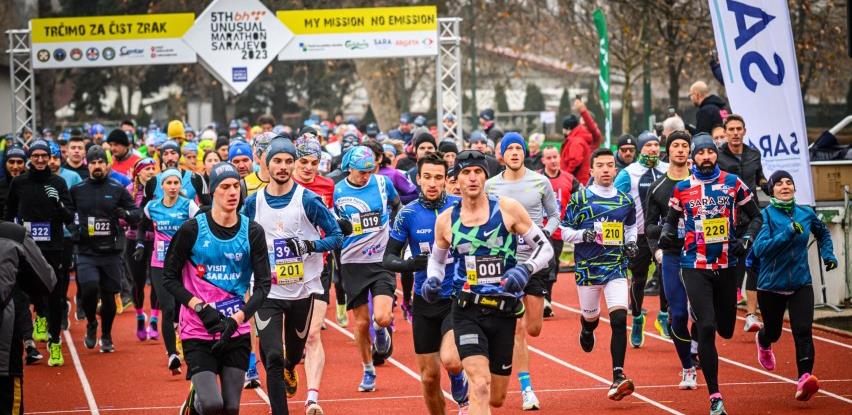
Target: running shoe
(91, 338)
(529, 401)
(368, 382)
(291, 382)
(40, 329)
(153, 333)
(106, 344)
(66, 315)
(174, 364)
(33, 355)
(141, 332)
(179, 345)
(56, 358)
(383, 340)
(764, 354)
(717, 407)
(313, 408)
(188, 407)
(548, 309)
(252, 377)
(662, 325)
(752, 324)
(740, 299)
(806, 388)
(406, 311)
(587, 340)
(342, 317)
(652, 287)
(637, 337)
(458, 386)
(688, 379)
(621, 387)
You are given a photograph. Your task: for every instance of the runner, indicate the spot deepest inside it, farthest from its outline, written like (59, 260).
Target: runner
(143, 171)
(533, 191)
(164, 217)
(784, 280)
(305, 173)
(194, 187)
(709, 202)
(432, 327)
(75, 159)
(601, 221)
(208, 267)
(257, 180)
(100, 203)
(368, 201)
(481, 231)
(290, 215)
(635, 180)
(656, 210)
(71, 179)
(39, 200)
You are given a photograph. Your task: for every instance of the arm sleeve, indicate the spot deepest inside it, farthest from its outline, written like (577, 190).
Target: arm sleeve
(675, 212)
(597, 138)
(652, 220)
(319, 215)
(260, 267)
(823, 238)
(437, 263)
(176, 256)
(393, 256)
(542, 250)
(622, 182)
(551, 208)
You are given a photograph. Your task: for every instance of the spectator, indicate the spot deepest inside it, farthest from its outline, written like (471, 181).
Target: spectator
(449, 150)
(533, 161)
(626, 151)
(489, 125)
(719, 136)
(580, 139)
(479, 142)
(123, 157)
(711, 109)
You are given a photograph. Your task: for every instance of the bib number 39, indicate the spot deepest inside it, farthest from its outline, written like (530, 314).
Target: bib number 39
(289, 267)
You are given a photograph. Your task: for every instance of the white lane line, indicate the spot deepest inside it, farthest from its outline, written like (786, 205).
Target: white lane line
(78, 366)
(599, 379)
(393, 361)
(723, 359)
(259, 391)
(820, 338)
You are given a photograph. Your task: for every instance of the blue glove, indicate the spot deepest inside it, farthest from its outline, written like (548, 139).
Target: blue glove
(431, 289)
(516, 279)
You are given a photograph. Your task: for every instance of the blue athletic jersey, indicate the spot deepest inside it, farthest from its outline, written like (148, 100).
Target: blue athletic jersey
(224, 263)
(186, 186)
(483, 253)
(167, 220)
(597, 264)
(415, 224)
(368, 209)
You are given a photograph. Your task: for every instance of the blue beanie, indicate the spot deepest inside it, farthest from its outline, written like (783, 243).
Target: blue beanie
(239, 148)
(170, 145)
(170, 173)
(512, 138)
(55, 150)
(16, 152)
(38, 145)
(644, 138)
(220, 172)
(280, 145)
(702, 141)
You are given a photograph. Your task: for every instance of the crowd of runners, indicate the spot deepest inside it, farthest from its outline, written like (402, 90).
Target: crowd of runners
(244, 233)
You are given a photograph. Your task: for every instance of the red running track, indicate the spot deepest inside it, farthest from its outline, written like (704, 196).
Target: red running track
(134, 379)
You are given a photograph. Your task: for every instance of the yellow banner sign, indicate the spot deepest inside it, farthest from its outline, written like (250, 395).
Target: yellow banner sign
(366, 20)
(141, 26)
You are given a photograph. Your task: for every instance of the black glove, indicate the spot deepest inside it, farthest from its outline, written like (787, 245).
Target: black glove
(212, 319)
(139, 252)
(631, 249)
(589, 236)
(119, 213)
(830, 264)
(666, 241)
(739, 247)
(345, 226)
(299, 247)
(419, 261)
(74, 230)
(52, 194)
(229, 327)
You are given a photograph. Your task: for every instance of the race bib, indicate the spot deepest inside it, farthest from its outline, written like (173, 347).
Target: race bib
(366, 222)
(161, 247)
(289, 267)
(427, 247)
(610, 233)
(681, 229)
(486, 269)
(99, 227)
(230, 306)
(40, 231)
(715, 230)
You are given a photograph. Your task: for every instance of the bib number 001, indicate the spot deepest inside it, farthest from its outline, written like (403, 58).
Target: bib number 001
(483, 269)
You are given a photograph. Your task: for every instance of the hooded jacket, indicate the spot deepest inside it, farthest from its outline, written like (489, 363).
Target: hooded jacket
(709, 114)
(577, 148)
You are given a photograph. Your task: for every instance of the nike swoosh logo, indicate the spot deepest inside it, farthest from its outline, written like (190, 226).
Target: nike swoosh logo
(485, 234)
(260, 323)
(304, 332)
(506, 367)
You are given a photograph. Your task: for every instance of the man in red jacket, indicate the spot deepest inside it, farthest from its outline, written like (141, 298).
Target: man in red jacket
(580, 140)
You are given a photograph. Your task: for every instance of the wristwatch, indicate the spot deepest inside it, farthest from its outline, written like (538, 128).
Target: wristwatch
(200, 306)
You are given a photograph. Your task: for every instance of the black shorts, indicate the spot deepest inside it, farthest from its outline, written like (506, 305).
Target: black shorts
(325, 278)
(429, 324)
(537, 285)
(360, 279)
(199, 358)
(106, 271)
(484, 332)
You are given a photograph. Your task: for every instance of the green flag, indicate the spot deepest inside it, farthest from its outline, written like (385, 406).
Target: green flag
(603, 79)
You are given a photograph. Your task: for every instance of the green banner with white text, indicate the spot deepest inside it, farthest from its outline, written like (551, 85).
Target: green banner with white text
(603, 79)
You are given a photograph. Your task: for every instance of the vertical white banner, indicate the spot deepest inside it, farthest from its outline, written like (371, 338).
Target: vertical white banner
(754, 40)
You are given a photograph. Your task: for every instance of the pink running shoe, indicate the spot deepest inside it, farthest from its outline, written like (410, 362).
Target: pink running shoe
(153, 334)
(141, 334)
(764, 356)
(808, 386)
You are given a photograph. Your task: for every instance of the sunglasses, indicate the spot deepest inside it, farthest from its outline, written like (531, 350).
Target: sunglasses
(471, 155)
